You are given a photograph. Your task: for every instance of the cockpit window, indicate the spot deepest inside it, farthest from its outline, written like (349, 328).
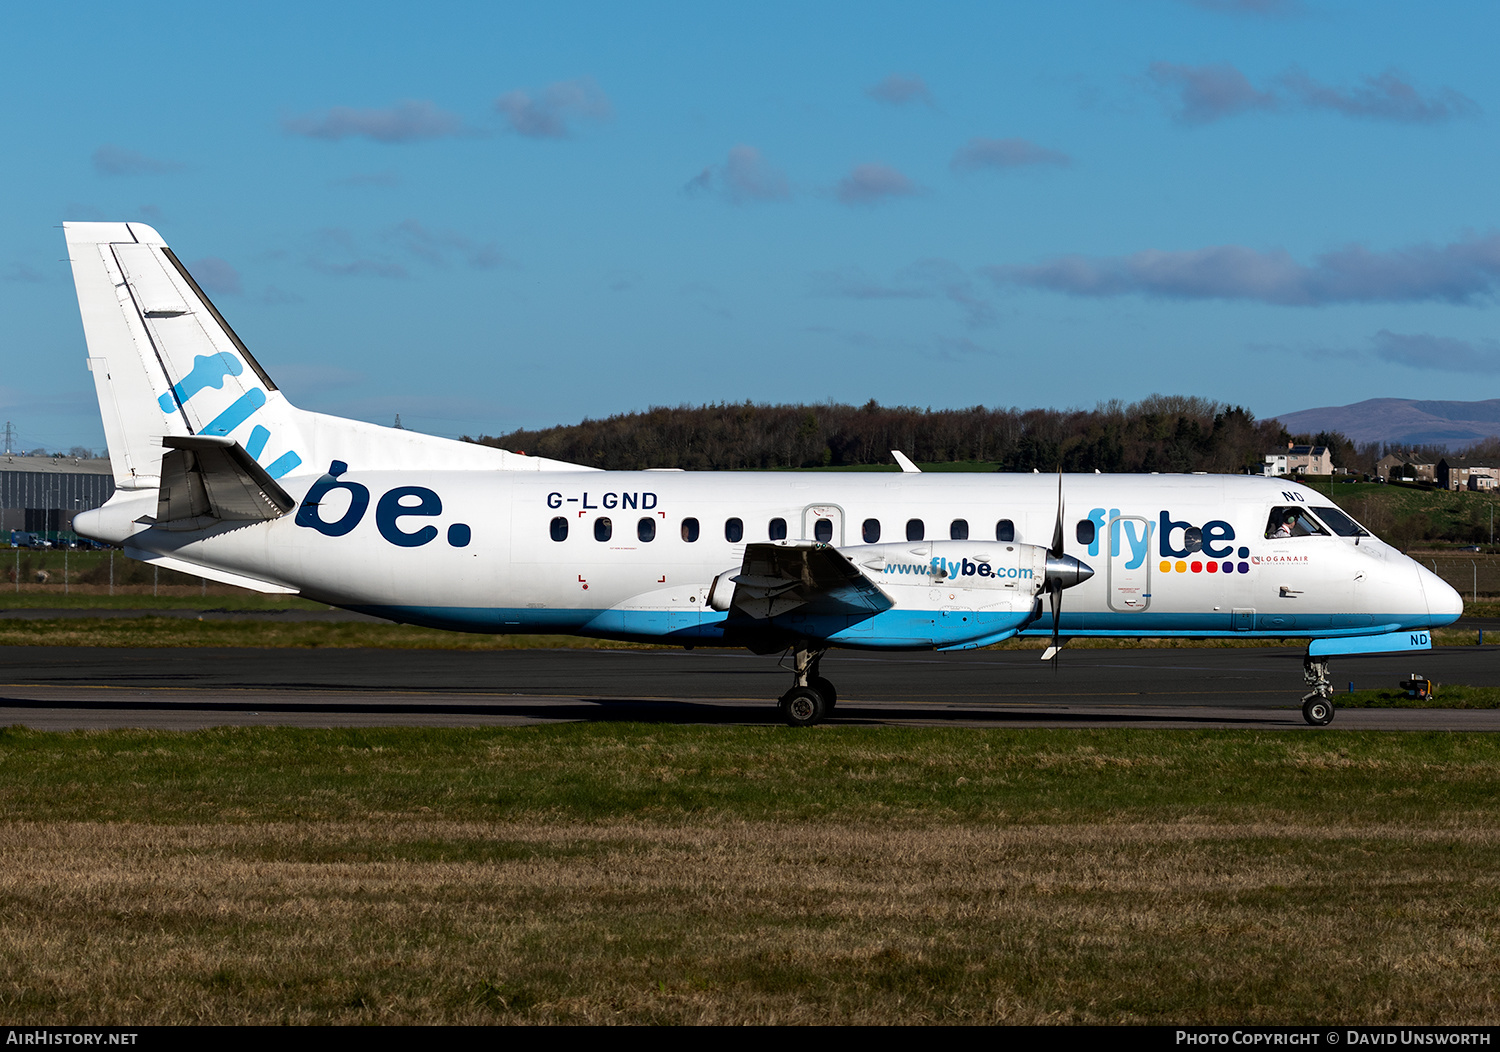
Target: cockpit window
(1292, 522)
(1340, 523)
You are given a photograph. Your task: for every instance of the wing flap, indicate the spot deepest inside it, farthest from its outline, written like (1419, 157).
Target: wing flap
(776, 579)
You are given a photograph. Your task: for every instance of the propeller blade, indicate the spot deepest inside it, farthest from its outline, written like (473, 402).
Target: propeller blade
(1062, 571)
(1054, 584)
(1051, 651)
(1057, 530)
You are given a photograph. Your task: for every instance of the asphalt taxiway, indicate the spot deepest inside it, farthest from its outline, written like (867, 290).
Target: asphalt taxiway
(66, 688)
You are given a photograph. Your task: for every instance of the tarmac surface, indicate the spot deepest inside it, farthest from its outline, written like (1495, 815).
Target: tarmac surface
(68, 688)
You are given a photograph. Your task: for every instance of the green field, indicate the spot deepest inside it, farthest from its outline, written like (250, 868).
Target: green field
(657, 874)
(1446, 696)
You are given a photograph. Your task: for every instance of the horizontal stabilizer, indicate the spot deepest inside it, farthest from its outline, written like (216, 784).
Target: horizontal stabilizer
(776, 579)
(206, 477)
(167, 562)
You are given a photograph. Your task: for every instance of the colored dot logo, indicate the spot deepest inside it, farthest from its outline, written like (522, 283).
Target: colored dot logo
(1182, 566)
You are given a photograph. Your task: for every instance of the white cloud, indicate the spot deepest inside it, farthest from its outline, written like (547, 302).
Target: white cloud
(110, 159)
(411, 120)
(745, 177)
(549, 113)
(869, 184)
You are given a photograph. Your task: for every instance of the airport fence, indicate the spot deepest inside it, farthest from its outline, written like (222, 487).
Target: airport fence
(1473, 574)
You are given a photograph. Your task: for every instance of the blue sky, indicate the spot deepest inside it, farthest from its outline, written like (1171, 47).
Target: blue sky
(485, 216)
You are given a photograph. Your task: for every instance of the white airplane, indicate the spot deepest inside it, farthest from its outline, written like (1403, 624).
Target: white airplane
(217, 474)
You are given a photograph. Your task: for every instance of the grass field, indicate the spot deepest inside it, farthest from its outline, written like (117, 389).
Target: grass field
(1446, 696)
(585, 873)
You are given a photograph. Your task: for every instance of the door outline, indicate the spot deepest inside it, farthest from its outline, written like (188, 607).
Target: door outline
(1122, 581)
(832, 512)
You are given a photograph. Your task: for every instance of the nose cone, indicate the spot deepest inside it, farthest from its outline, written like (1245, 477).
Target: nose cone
(1443, 601)
(1064, 571)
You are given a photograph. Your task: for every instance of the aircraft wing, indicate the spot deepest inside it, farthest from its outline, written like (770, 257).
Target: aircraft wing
(813, 578)
(206, 477)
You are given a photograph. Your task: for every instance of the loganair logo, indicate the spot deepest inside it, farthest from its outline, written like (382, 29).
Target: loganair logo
(210, 371)
(403, 502)
(1182, 546)
(963, 568)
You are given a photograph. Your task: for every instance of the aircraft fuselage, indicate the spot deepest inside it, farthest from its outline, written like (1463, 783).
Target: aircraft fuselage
(634, 554)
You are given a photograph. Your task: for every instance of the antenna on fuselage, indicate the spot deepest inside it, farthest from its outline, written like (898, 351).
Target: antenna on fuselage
(907, 467)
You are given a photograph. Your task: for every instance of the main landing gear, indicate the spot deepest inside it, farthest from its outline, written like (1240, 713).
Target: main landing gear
(1317, 704)
(812, 697)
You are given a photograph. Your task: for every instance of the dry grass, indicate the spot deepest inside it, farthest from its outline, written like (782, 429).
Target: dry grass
(745, 922)
(656, 874)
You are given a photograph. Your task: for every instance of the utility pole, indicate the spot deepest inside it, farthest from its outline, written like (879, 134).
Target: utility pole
(10, 434)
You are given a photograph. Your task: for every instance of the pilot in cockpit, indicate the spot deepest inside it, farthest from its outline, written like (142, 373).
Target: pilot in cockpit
(1290, 522)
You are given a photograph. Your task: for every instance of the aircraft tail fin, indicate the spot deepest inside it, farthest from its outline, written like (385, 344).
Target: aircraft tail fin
(167, 365)
(165, 362)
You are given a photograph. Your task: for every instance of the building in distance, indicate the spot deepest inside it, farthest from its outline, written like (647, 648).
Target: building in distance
(41, 494)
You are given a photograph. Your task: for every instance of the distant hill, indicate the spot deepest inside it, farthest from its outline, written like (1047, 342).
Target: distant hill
(1402, 421)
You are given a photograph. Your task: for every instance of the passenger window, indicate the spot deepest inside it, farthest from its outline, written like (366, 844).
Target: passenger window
(559, 529)
(915, 530)
(871, 531)
(776, 530)
(958, 530)
(603, 529)
(1085, 531)
(1291, 522)
(734, 531)
(690, 530)
(823, 531)
(1005, 530)
(646, 529)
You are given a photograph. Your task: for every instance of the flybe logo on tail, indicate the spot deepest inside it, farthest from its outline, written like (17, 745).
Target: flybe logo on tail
(210, 371)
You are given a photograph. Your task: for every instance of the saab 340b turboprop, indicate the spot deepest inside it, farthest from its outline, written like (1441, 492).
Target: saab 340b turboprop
(217, 474)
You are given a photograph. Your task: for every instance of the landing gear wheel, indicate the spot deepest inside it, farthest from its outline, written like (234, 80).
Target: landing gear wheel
(825, 688)
(803, 707)
(1317, 710)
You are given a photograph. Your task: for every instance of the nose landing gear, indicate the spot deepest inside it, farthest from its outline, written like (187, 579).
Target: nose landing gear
(1317, 704)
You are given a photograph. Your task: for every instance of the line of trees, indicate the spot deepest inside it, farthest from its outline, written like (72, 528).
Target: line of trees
(1166, 433)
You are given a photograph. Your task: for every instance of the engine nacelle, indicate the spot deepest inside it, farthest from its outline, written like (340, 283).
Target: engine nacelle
(989, 573)
(947, 593)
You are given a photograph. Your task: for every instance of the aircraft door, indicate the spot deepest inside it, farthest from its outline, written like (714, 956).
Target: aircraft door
(1129, 584)
(823, 522)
